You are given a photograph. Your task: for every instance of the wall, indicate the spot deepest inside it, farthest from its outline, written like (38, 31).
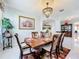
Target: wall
(0, 29)
(13, 15)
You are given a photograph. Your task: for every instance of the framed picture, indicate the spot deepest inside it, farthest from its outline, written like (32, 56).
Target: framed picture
(26, 23)
(46, 25)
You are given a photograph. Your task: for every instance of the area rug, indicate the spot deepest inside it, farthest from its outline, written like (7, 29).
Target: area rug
(45, 55)
(62, 54)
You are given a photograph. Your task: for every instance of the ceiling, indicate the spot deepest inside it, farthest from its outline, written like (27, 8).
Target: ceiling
(38, 5)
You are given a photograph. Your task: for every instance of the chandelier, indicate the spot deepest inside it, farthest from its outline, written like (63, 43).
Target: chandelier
(47, 11)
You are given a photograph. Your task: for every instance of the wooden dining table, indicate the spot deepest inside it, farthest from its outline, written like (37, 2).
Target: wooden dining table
(37, 42)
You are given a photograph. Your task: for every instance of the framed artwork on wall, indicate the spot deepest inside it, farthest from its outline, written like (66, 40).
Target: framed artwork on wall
(46, 25)
(26, 23)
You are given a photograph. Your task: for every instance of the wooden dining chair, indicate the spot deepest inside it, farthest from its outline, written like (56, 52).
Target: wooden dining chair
(59, 48)
(23, 51)
(53, 48)
(61, 42)
(35, 35)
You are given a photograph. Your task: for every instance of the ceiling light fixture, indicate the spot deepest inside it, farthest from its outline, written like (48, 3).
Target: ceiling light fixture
(47, 11)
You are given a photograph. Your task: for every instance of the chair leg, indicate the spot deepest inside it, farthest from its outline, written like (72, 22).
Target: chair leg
(61, 48)
(21, 56)
(57, 53)
(50, 55)
(3, 45)
(57, 56)
(36, 55)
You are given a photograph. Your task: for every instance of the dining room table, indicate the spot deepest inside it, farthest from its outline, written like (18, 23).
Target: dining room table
(37, 42)
(40, 41)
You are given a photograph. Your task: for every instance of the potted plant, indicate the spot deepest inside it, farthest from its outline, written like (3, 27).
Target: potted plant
(6, 24)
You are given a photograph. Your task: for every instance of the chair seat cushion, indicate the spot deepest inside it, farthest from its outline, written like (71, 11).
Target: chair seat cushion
(24, 45)
(27, 51)
(48, 47)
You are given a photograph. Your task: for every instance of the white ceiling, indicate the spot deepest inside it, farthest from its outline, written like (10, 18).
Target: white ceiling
(38, 5)
(34, 7)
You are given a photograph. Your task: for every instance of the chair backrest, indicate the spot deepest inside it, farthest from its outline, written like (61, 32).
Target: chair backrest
(18, 42)
(55, 41)
(62, 39)
(42, 34)
(59, 39)
(35, 35)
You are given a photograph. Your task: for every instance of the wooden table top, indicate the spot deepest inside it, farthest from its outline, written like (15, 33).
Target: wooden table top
(32, 42)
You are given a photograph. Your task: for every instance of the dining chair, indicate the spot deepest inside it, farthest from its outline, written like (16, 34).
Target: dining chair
(35, 35)
(53, 48)
(42, 34)
(23, 51)
(45, 34)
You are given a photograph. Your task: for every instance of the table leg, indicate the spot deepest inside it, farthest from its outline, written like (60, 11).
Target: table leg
(11, 42)
(8, 43)
(3, 45)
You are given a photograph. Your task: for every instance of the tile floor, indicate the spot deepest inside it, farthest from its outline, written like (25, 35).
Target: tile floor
(13, 53)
